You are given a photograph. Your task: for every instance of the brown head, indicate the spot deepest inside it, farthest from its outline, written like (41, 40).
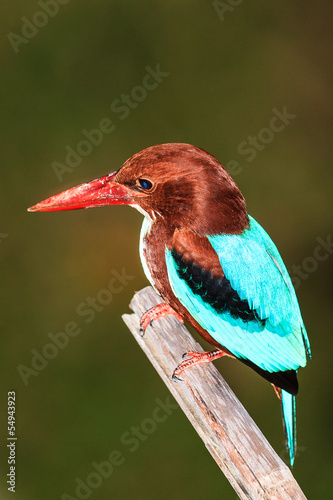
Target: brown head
(183, 184)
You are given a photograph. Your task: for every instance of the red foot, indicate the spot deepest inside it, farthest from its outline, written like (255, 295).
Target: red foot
(157, 312)
(196, 358)
(277, 391)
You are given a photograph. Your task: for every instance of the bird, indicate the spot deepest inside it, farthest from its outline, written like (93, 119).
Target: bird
(211, 262)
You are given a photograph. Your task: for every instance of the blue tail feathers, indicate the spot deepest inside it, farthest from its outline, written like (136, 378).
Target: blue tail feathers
(289, 419)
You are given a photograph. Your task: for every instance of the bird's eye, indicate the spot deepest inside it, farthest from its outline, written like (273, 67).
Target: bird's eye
(145, 184)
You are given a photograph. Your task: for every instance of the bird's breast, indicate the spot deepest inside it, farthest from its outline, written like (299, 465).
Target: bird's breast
(144, 234)
(155, 237)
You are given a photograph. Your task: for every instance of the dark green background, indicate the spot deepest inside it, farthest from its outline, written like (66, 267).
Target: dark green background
(225, 77)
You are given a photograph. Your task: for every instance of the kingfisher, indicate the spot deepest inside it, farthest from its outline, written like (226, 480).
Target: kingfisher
(211, 262)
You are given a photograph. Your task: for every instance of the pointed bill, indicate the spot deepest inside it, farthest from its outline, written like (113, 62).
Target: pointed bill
(96, 193)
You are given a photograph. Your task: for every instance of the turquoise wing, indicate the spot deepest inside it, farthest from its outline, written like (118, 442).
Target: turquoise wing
(252, 264)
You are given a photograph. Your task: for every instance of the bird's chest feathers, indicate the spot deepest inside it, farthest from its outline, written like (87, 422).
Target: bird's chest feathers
(153, 241)
(144, 235)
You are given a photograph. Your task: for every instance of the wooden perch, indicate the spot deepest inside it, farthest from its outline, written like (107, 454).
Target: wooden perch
(235, 442)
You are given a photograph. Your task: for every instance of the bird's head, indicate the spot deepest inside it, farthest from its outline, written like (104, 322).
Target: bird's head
(182, 184)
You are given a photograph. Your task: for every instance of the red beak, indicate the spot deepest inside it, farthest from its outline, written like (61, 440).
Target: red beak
(96, 193)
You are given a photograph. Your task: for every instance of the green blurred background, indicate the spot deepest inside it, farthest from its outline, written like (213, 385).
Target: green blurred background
(225, 78)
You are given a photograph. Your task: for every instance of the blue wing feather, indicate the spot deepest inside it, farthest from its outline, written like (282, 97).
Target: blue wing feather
(252, 264)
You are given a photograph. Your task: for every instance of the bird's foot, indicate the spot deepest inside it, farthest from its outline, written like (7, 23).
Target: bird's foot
(277, 391)
(196, 358)
(154, 313)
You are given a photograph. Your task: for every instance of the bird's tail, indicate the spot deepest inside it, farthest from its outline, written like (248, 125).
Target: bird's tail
(289, 420)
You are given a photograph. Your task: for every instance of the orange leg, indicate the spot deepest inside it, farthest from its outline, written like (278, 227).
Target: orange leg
(157, 312)
(196, 358)
(277, 391)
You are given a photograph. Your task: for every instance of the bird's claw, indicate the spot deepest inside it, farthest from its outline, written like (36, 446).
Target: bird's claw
(190, 354)
(155, 312)
(175, 378)
(143, 330)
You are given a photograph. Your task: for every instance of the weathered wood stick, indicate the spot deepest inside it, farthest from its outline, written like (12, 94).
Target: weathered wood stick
(235, 442)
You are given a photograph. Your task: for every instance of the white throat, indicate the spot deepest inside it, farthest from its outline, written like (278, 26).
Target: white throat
(145, 230)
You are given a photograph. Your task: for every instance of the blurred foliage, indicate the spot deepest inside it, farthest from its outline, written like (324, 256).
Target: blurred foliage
(225, 78)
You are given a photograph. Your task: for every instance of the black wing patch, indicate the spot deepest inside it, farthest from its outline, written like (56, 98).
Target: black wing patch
(218, 293)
